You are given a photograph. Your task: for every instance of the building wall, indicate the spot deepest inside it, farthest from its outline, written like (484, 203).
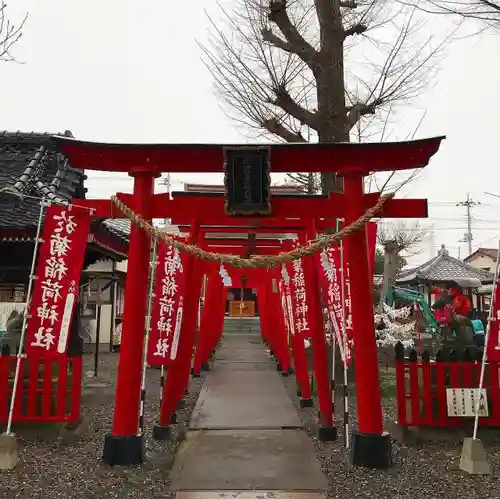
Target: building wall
(482, 262)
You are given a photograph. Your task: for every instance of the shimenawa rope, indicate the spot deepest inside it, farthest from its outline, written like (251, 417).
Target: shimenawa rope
(258, 261)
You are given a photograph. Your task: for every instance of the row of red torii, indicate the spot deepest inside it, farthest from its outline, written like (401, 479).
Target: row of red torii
(305, 215)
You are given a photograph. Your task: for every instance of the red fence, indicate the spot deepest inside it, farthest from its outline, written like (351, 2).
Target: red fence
(47, 390)
(421, 387)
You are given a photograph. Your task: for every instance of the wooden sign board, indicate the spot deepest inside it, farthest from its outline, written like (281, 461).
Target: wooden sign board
(247, 181)
(462, 402)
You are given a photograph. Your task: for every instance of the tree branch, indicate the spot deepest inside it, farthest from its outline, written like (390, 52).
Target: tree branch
(361, 109)
(298, 44)
(9, 33)
(285, 102)
(350, 4)
(357, 29)
(269, 37)
(272, 125)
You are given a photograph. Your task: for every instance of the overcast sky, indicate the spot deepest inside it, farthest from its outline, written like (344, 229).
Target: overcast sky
(129, 71)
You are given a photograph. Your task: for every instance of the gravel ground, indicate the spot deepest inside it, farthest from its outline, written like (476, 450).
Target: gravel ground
(48, 469)
(426, 471)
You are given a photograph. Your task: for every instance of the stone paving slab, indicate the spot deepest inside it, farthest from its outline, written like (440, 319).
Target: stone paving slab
(233, 398)
(254, 494)
(218, 460)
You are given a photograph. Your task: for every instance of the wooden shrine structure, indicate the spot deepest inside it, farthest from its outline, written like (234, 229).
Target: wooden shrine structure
(248, 203)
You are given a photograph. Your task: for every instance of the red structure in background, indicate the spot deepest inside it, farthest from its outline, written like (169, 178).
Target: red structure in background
(371, 446)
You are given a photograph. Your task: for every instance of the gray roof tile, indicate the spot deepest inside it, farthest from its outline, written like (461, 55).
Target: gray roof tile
(31, 167)
(443, 267)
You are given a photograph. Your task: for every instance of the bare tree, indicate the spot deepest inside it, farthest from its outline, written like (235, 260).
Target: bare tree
(9, 33)
(308, 183)
(318, 70)
(486, 11)
(395, 240)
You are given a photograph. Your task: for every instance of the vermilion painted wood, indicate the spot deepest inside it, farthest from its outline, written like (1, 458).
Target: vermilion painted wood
(426, 391)
(209, 319)
(54, 400)
(218, 325)
(319, 350)
(183, 209)
(334, 157)
(243, 243)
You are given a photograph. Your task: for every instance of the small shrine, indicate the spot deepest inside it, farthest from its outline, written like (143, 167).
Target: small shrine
(440, 270)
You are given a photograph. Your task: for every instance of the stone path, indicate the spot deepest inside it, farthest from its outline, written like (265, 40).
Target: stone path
(245, 434)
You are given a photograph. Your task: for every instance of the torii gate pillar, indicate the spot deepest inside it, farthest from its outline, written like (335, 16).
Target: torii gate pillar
(124, 445)
(371, 447)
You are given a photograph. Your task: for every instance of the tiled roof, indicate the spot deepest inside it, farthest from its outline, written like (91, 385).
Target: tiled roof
(489, 252)
(30, 167)
(118, 227)
(441, 268)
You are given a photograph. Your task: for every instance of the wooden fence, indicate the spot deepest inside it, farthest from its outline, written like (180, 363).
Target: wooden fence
(423, 387)
(47, 390)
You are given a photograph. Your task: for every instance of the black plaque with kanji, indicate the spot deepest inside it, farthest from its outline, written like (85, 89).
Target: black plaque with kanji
(247, 181)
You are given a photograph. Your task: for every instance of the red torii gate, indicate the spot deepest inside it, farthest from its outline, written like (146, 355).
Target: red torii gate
(145, 162)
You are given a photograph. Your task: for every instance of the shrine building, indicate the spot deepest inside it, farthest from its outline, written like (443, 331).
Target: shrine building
(31, 169)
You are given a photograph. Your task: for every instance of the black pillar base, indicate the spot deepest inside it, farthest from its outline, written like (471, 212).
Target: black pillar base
(123, 451)
(306, 403)
(371, 451)
(173, 418)
(181, 404)
(205, 366)
(161, 432)
(285, 373)
(278, 366)
(299, 393)
(327, 433)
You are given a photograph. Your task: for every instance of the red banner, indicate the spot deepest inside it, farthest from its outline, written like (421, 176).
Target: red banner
(338, 298)
(286, 303)
(57, 280)
(493, 347)
(296, 298)
(167, 307)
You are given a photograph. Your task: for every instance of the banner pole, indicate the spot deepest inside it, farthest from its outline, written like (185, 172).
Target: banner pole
(485, 349)
(152, 274)
(25, 316)
(344, 338)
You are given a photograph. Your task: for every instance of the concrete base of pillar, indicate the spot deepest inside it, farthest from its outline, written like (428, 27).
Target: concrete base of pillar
(473, 459)
(371, 451)
(123, 450)
(9, 451)
(306, 403)
(162, 432)
(327, 433)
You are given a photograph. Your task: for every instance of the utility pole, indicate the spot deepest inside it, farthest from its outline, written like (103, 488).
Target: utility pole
(166, 182)
(468, 203)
